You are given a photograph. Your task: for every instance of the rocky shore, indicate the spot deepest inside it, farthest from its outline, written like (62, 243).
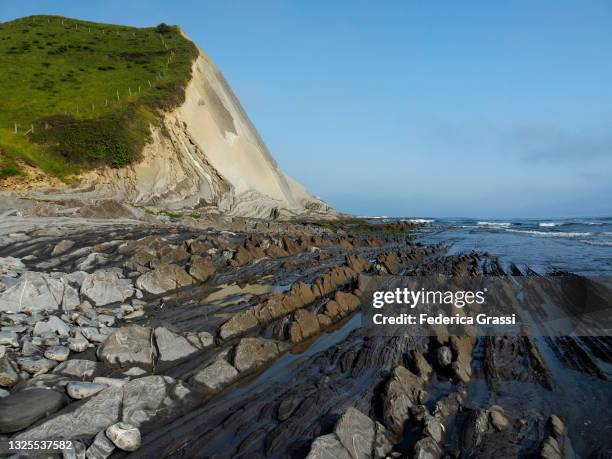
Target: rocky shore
(243, 339)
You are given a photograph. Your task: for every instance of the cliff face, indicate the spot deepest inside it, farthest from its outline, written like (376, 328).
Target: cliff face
(207, 153)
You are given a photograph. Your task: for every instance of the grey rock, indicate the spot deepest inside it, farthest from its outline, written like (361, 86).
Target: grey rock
(57, 353)
(151, 396)
(86, 420)
(77, 368)
(216, 375)
(356, 432)
(21, 409)
(48, 339)
(383, 441)
(105, 286)
(403, 390)
(463, 370)
(172, 346)
(79, 390)
(422, 367)
(77, 451)
(106, 320)
(4, 393)
(444, 355)
(129, 345)
(34, 365)
(201, 340)
(499, 421)
(110, 381)
(253, 352)
(92, 260)
(238, 323)
(101, 448)
(427, 448)
(11, 265)
(163, 279)
(135, 371)
(125, 436)
(76, 277)
(36, 291)
(47, 381)
(134, 315)
(558, 426)
(207, 339)
(327, 447)
(78, 344)
(433, 428)
(551, 449)
(52, 325)
(9, 338)
(62, 247)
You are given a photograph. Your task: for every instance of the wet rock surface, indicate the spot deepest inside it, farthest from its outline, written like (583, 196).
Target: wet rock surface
(244, 340)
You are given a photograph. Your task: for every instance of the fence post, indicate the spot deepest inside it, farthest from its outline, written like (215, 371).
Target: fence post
(15, 128)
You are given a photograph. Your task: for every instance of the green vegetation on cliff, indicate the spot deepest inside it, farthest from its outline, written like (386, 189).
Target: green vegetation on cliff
(78, 94)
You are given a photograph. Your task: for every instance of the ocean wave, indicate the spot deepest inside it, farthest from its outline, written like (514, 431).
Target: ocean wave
(550, 233)
(495, 224)
(599, 243)
(549, 224)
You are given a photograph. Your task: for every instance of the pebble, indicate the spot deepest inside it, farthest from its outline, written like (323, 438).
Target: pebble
(79, 390)
(9, 338)
(78, 344)
(125, 436)
(116, 382)
(57, 353)
(34, 365)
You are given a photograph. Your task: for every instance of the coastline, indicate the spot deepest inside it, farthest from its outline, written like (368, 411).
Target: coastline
(265, 325)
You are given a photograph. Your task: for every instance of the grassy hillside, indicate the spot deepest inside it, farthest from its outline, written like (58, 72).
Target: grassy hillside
(78, 94)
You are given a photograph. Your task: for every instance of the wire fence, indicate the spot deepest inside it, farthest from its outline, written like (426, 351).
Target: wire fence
(98, 108)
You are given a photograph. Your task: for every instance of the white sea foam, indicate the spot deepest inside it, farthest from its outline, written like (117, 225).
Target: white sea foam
(599, 243)
(547, 224)
(550, 233)
(496, 224)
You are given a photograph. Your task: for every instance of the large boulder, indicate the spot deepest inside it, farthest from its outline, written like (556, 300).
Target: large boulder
(38, 292)
(152, 397)
(172, 346)
(201, 268)
(403, 390)
(216, 375)
(238, 324)
(253, 352)
(328, 447)
(128, 346)
(306, 324)
(105, 286)
(138, 401)
(77, 368)
(356, 432)
(21, 409)
(163, 279)
(86, 420)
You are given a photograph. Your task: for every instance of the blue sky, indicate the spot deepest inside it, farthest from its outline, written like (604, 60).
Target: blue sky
(440, 108)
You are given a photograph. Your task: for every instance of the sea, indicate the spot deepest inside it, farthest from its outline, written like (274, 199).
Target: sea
(579, 245)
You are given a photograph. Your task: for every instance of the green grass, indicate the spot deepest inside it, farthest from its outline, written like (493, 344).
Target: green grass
(90, 91)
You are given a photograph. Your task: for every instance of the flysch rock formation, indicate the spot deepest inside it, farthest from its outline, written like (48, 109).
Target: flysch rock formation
(207, 154)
